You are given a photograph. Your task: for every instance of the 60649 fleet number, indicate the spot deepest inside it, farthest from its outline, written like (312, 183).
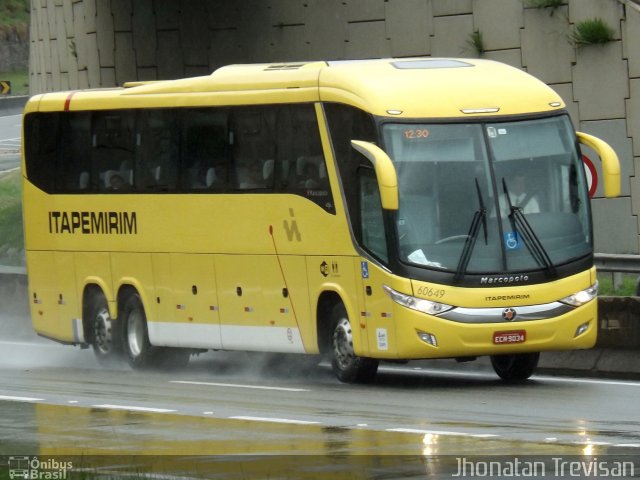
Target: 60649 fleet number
(431, 292)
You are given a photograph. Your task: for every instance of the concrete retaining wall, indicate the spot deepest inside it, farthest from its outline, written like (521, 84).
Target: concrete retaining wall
(101, 43)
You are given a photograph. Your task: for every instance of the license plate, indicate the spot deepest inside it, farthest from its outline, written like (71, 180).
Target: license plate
(512, 336)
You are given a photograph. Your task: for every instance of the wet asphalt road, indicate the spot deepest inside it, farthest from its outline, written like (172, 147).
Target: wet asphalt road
(10, 141)
(57, 400)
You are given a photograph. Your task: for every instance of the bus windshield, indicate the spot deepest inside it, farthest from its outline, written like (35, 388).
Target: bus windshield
(488, 198)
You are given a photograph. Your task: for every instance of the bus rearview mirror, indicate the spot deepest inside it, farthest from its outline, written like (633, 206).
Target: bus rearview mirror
(610, 163)
(385, 172)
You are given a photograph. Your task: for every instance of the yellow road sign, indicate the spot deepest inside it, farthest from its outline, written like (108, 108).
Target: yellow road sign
(5, 87)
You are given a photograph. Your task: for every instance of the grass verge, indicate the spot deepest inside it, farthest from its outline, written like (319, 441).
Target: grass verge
(11, 234)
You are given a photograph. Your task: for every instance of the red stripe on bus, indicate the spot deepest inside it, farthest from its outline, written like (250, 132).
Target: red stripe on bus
(67, 102)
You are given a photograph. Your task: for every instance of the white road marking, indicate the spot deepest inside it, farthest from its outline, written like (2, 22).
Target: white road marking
(274, 420)
(442, 432)
(133, 408)
(20, 399)
(234, 385)
(595, 381)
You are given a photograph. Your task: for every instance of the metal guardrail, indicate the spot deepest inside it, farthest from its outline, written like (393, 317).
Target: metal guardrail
(605, 262)
(613, 262)
(9, 270)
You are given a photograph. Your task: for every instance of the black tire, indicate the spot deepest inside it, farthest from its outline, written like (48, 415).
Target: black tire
(516, 367)
(102, 332)
(137, 347)
(348, 367)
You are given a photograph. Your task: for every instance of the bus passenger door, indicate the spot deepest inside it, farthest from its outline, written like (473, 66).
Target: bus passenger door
(380, 326)
(377, 315)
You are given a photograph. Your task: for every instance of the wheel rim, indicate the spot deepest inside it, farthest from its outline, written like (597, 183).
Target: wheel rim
(103, 331)
(343, 344)
(135, 333)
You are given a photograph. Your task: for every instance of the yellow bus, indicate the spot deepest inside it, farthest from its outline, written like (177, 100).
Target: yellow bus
(360, 210)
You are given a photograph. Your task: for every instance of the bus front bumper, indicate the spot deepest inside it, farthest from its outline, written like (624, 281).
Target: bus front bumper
(424, 336)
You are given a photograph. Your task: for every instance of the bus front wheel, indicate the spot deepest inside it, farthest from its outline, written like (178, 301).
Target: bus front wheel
(515, 367)
(103, 333)
(348, 367)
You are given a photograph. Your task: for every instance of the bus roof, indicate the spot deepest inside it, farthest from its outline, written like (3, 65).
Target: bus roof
(405, 88)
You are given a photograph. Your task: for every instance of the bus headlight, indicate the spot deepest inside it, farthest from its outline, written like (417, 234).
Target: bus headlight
(418, 304)
(582, 297)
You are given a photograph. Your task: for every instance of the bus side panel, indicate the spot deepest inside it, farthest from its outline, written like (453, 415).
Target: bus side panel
(135, 269)
(69, 311)
(43, 295)
(53, 297)
(188, 313)
(95, 268)
(336, 274)
(249, 313)
(294, 269)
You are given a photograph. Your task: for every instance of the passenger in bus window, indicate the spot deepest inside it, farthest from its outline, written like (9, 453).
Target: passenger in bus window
(116, 182)
(310, 176)
(250, 176)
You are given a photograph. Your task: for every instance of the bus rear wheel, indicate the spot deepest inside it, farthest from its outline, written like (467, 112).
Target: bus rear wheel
(348, 367)
(140, 353)
(103, 335)
(515, 367)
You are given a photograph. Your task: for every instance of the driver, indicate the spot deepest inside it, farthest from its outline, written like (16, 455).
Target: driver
(519, 196)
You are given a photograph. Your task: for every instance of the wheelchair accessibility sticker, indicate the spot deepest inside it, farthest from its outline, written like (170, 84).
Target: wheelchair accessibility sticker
(512, 241)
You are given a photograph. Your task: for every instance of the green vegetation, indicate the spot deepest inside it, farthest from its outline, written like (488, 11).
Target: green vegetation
(19, 82)
(591, 32)
(626, 286)
(11, 236)
(476, 42)
(14, 12)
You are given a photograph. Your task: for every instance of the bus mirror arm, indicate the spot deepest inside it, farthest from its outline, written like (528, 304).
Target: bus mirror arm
(385, 172)
(610, 163)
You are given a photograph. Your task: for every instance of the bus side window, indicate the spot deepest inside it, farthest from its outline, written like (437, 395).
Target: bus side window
(301, 161)
(253, 143)
(371, 217)
(113, 149)
(345, 124)
(73, 174)
(158, 160)
(41, 151)
(204, 159)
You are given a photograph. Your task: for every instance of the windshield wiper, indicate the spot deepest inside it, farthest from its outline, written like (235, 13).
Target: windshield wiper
(521, 226)
(479, 217)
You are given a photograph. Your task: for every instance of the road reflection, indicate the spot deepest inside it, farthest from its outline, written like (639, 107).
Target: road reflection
(121, 442)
